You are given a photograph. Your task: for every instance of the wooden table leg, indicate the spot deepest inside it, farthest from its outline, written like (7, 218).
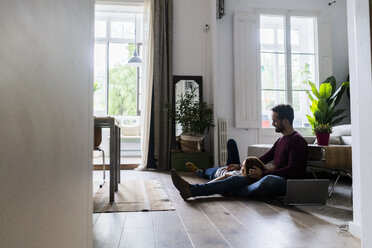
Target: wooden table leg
(112, 163)
(118, 154)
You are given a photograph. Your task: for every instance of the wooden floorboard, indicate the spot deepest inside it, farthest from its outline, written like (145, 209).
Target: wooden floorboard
(169, 230)
(95, 218)
(322, 229)
(214, 222)
(108, 230)
(255, 223)
(138, 231)
(201, 230)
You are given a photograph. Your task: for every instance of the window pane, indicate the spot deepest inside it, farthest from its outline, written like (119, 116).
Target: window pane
(267, 36)
(272, 71)
(298, 65)
(122, 30)
(99, 94)
(301, 107)
(122, 81)
(271, 33)
(100, 29)
(269, 100)
(302, 34)
(99, 78)
(99, 60)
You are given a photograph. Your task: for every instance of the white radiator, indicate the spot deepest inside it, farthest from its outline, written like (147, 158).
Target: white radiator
(222, 141)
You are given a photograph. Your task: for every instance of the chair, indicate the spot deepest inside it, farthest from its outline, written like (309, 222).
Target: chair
(97, 143)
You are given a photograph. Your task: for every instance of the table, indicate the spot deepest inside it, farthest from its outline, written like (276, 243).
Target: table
(333, 158)
(114, 126)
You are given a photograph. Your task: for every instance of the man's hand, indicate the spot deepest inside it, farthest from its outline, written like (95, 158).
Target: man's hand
(232, 167)
(255, 172)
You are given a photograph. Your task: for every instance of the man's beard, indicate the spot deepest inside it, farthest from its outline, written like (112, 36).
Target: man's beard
(279, 129)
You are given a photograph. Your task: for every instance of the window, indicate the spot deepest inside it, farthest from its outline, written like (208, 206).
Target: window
(118, 31)
(287, 44)
(116, 85)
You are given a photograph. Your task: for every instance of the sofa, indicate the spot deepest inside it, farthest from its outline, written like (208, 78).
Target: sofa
(335, 158)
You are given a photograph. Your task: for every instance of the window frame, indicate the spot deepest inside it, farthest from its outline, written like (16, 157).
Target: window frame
(287, 14)
(107, 40)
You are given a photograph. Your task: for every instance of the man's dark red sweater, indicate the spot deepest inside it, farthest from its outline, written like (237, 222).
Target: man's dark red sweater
(290, 156)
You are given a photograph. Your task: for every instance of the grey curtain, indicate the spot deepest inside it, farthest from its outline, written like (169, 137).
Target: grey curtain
(161, 131)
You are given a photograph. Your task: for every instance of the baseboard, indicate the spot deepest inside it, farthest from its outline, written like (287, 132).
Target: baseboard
(122, 166)
(355, 229)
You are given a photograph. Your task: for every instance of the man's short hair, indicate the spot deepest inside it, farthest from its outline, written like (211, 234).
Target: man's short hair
(285, 111)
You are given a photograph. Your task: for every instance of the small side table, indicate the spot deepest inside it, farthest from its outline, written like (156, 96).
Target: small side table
(201, 159)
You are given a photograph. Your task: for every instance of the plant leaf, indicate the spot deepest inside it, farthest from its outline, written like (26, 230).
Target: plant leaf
(319, 117)
(311, 120)
(336, 97)
(332, 81)
(314, 106)
(309, 95)
(323, 106)
(314, 89)
(338, 120)
(325, 90)
(337, 112)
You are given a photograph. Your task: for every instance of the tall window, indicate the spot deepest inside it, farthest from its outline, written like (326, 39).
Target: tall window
(287, 45)
(116, 84)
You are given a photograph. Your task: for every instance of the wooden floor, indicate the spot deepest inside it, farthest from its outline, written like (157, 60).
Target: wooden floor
(214, 222)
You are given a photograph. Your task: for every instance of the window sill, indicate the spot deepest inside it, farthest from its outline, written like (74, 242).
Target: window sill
(270, 131)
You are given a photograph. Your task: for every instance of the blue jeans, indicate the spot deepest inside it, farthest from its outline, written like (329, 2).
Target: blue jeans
(269, 185)
(232, 158)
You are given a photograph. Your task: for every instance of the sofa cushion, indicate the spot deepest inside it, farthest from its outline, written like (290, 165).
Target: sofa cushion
(310, 139)
(342, 130)
(346, 140)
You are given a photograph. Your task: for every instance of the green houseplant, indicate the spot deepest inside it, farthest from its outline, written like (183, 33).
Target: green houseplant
(323, 105)
(195, 117)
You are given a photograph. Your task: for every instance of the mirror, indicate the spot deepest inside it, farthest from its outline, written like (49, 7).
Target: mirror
(183, 84)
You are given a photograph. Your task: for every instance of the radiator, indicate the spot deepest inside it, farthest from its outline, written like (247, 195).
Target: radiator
(222, 141)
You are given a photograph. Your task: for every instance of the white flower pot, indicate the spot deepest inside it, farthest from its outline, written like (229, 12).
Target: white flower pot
(191, 143)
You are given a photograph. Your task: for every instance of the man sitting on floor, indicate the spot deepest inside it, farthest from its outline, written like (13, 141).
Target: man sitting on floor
(289, 154)
(232, 168)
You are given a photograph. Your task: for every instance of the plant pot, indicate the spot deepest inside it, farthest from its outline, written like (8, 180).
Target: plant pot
(97, 137)
(322, 139)
(191, 143)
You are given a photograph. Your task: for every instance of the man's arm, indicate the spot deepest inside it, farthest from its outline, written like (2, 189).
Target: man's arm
(296, 162)
(269, 156)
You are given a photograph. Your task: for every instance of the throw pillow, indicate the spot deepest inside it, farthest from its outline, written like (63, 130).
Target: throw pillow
(342, 130)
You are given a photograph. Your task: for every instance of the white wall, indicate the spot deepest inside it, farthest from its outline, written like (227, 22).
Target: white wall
(338, 28)
(193, 46)
(46, 123)
(361, 102)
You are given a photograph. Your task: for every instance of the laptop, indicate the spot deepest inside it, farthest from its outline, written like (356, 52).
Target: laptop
(306, 192)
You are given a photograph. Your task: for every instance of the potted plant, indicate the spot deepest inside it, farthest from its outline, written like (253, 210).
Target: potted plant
(195, 117)
(322, 132)
(323, 104)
